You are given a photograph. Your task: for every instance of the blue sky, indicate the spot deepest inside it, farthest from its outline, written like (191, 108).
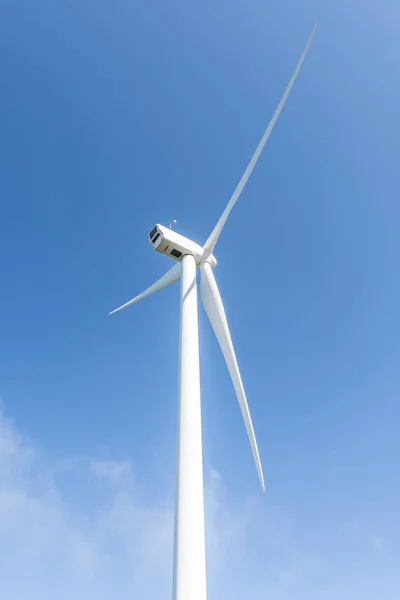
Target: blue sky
(114, 116)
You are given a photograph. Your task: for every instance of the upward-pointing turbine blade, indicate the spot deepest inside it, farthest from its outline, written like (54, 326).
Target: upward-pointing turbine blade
(170, 277)
(215, 311)
(212, 240)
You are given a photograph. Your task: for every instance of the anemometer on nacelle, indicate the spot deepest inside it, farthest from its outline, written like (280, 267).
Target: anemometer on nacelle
(172, 244)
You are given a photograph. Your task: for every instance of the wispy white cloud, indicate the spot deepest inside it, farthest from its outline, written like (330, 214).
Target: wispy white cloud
(56, 543)
(52, 545)
(84, 528)
(114, 471)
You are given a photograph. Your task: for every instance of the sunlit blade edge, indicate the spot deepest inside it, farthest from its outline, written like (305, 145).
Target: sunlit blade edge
(212, 240)
(166, 280)
(214, 308)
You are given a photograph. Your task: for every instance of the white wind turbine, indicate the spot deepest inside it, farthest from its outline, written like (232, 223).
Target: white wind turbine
(189, 576)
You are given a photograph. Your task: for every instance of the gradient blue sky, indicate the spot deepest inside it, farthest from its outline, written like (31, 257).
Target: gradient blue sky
(116, 115)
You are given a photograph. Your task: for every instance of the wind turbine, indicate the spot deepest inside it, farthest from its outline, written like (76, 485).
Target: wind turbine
(189, 576)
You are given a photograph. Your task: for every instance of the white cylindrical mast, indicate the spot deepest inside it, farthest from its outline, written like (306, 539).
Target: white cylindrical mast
(189, 544)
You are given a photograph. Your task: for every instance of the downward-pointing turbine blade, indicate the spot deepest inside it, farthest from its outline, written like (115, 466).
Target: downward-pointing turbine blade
(212, 240)
(215, 311)
(170, 277)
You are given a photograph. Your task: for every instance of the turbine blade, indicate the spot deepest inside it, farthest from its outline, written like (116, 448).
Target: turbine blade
(215, 311)
(170, 277)
(212, 240)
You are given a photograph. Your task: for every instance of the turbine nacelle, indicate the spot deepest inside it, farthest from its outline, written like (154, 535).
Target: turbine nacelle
(172, 244)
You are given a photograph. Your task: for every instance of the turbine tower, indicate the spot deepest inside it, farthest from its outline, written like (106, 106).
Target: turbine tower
(189, 574)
